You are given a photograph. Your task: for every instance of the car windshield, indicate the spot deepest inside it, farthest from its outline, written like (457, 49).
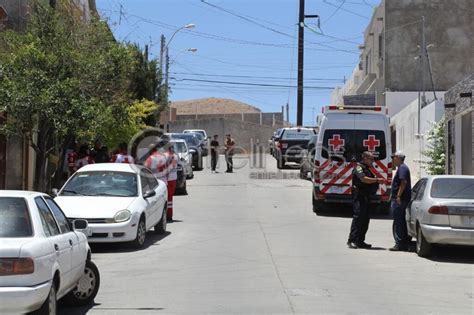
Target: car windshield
(14, 218)
(199, 136)
(180, 147)
(201, 133)
(102, 183)
(298, 134)
(190, 139)
(453, 188)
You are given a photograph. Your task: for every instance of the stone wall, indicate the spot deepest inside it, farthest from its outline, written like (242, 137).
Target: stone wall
(268, 119)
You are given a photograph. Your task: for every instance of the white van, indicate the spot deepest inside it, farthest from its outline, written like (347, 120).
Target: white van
(345, 133)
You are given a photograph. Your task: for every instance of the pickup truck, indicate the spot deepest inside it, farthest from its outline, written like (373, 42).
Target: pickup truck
(290, 143)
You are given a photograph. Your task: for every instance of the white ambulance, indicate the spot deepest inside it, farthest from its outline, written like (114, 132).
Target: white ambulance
(345, 133)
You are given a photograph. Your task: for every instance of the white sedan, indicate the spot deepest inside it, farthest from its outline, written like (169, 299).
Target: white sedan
(121, 202)
(42, 258)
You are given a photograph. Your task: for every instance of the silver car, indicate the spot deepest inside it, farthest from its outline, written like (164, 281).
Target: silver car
(441, 212)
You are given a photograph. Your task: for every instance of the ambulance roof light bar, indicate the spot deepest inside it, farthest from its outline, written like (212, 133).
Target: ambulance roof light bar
(351, 107)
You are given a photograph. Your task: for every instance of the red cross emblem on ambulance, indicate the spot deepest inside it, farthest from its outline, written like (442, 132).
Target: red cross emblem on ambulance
(336, 143)
(371, 143)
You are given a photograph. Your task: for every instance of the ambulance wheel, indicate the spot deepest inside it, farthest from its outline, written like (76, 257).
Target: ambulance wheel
(318, 206)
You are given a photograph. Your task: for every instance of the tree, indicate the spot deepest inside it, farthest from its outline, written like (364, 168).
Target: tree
(436, 149)
(65, 77)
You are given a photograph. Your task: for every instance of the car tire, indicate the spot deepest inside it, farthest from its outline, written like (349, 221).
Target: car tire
(182, 190)
(280, 163)
(87, 287)
(160, 227)
(423, 248)
(140, 239)
(49, 306)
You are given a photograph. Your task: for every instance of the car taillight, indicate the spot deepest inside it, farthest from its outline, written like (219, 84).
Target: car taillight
(16, 266)
(438, 210)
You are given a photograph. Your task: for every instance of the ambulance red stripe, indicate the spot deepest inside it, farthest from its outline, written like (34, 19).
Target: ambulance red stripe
(336, 178)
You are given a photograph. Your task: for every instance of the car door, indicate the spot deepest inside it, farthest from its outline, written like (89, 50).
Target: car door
(149, 203)
(77, 245)
(59, 243)
(408, 215)
(416, 203)
(159, 197)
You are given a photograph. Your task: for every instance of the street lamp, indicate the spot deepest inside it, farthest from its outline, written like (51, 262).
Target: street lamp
(187, 26)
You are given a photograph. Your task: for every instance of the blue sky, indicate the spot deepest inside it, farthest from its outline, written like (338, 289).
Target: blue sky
(247, 43)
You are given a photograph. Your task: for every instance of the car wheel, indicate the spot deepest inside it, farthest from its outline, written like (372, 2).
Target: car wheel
(280, 163)
(49, 306)
(423, 248)
(160, 228)
(182, 190)
(87, 287)
(141, 234)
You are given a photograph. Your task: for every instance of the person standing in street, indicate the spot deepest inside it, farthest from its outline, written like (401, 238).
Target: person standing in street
(401, 195)
(229, 152)
(172, 177)
(157, 161)
(364, 188)
(83, 158)
(214, 153)
(122, 156)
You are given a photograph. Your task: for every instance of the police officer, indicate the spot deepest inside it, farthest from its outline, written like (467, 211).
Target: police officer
(364, 187)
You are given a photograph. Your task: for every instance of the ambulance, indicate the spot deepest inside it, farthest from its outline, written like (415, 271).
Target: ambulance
(345, 133)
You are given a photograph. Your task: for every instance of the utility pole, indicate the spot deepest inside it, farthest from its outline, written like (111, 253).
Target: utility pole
(288, 113)
(301, 26)
(146, 53)
(431, 70)
(423, 64)
(299, 110)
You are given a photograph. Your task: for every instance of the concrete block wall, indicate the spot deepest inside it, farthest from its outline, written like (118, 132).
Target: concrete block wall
(267, 119)
(241, 131)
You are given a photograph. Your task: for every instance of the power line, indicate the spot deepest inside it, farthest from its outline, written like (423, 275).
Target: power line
(255, 77)
(255, 84)
(335, 11)
(346, 10)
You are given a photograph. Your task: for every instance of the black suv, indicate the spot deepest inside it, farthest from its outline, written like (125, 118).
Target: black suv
(290, 144)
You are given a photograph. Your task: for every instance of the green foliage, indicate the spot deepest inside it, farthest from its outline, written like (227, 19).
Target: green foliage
(64, 77)
(436, 149)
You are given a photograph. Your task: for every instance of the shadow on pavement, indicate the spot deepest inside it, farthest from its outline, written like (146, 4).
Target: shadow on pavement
(345, 211)
(68, 310)
(453, 254)
(151, 240)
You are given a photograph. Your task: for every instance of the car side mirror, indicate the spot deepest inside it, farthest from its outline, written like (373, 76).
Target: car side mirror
(80, 224)
(54, 191)
(149, 194)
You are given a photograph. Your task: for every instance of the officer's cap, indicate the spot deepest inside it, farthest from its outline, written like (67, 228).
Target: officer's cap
(399, 153)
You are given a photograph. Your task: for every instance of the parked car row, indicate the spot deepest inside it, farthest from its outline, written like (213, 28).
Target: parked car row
(43, 257)
(44, 242)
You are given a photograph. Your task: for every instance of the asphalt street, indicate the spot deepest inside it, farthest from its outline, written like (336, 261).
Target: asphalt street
(254, 246)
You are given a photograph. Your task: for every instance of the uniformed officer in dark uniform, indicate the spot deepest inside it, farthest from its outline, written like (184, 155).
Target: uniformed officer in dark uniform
(364, 187)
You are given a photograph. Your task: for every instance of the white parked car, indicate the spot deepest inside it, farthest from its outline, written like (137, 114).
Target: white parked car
(441, 211)
(121, 202)
(200, 131)
(185, 157)
(42, 257)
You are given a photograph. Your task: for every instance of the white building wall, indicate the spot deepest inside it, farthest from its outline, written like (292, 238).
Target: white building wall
(405, 122)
